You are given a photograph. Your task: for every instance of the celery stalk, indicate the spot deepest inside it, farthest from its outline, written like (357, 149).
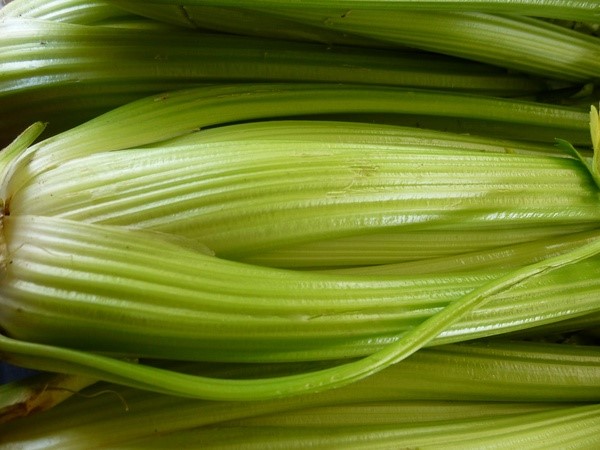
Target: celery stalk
(577, 427)
(77, 285)
(88, 70)
(587, 10)
(478, 381)
(526, 44)
(508, 39)
(244, 199)
(38, 393)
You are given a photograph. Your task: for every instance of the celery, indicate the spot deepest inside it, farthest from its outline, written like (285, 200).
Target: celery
(509, 40)
(532, 426)
(149, 251)
(476, 383)
(103, 289)
(586, 10)
(521, 43)
(103, 13)
(577, 427)
(90, 69)
(72, 11)
(245, 198)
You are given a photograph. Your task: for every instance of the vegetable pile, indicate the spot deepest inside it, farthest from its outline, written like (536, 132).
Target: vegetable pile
(289, 224)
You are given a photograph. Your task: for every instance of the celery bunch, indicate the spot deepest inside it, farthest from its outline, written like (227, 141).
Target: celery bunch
(299, 225)
(137, 278)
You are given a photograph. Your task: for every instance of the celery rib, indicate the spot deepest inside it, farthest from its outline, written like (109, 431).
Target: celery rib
(586, 10)
(413, 339)
(434, 385)
(251, 199)
(93, 69)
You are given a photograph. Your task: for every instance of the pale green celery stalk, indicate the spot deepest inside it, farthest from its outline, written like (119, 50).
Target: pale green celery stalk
(401, 252)
(98, 288)
(521, 43)
(171, 423)
(72, 11)
(246, 198)
(38, 393)
(88, 70)
(575, 427)
(96, 13)
(488, 380)
(171, 114)
(176, 113)
(586, 10)
(382, 248)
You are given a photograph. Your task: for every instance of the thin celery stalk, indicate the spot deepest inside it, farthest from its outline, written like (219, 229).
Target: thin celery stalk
(432, 384)
(91, 364)
(587, 10)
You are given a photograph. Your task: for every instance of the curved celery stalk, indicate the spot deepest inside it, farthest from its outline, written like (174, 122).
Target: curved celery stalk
(10, 163)
(104, 289)
(478, 380)
(521, 43)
